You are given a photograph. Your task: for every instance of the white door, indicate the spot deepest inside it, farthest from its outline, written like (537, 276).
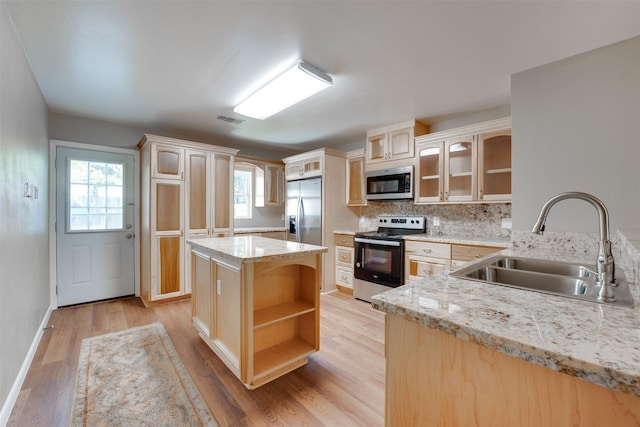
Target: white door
(94, 225)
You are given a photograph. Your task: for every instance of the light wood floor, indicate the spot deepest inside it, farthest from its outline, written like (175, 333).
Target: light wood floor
(343, 383)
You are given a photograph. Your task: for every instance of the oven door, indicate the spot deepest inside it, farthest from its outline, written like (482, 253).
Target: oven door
(379, 261)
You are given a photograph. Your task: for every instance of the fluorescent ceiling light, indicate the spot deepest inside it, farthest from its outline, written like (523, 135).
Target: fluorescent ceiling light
(294, 85)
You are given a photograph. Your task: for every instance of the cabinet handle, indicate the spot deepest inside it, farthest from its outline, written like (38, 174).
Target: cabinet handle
(427, 250)
(446, 195)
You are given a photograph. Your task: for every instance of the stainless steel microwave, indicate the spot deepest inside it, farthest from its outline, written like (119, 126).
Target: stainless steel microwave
(390, 184)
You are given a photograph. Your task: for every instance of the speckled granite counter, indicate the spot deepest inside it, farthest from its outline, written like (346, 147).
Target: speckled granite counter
(596, 342)
(463, 239)
(243, 230)
(253, 248)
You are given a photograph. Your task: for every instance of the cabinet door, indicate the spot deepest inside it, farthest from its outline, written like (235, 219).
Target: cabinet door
(167, 162)
(429, 173)
(376, 148)
(494, 162)
(202, 292)
(294, 170)
(418, 267)
(355, 182)
(274, 185)
(460, 166)
(167, 252)
(400, 144)
(223, 208)
(227, 314)
(198, 194)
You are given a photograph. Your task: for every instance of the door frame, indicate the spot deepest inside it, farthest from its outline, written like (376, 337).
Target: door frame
(53, 269)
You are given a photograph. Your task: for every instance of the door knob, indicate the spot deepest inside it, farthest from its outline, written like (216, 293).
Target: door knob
(129, 236)
(128, 226)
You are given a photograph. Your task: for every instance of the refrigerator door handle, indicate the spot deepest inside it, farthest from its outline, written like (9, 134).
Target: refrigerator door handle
(299, 221)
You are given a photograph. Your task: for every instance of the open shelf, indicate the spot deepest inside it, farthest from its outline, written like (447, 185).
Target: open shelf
(503, 170)
(280, 312)
(460, 174)
(282, 354)
(430, 177)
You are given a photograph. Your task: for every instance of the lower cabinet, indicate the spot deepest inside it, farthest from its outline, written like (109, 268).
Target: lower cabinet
(344, 262)
(260, 318)
(423, 259)
(462, 254)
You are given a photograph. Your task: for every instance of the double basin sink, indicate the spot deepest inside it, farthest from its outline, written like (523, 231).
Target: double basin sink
(553, 277)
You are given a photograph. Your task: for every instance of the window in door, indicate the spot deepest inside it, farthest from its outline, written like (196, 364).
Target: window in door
(96, 196)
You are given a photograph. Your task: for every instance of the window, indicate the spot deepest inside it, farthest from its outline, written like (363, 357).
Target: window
(242, 183)
(96, 196)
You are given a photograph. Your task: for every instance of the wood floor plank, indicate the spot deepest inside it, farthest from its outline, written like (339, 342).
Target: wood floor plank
(342, 384)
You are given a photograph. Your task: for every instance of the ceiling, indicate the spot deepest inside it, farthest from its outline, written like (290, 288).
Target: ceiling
(178, 65)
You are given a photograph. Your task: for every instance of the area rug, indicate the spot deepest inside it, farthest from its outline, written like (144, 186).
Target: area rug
(135, 378)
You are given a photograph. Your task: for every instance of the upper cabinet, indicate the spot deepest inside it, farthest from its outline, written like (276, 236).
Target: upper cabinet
(273, 184)
(494, 163)
(167, 161)
(305, 167)
(392, 143)
(465, 164)
(355, 190)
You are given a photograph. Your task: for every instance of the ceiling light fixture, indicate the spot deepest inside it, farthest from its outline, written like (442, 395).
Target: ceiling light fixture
(294, 85)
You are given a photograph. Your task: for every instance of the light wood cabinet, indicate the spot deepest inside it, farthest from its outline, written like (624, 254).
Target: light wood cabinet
(344, 248)
(469, 164)
(423, 259)
(394, 142)
(260, 318)
(494, 164)
(356, 182)
(304, 168)
(436, 379)
(185, 193)
(273, 185)
(461, 254)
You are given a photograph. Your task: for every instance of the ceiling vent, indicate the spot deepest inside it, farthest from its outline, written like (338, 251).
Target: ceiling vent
(230, 120)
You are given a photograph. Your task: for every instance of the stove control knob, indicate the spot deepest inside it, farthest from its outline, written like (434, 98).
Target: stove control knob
(357, 264)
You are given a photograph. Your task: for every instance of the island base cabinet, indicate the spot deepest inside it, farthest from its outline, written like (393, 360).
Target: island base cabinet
(261, 319)
(435, 379)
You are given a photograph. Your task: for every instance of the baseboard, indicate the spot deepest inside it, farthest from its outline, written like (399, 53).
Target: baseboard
(7, 407)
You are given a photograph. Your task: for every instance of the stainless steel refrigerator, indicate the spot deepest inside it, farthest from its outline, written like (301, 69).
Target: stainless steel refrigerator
(304, 210)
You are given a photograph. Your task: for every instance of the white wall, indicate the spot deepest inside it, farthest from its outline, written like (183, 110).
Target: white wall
(576, 127)
(24, 256)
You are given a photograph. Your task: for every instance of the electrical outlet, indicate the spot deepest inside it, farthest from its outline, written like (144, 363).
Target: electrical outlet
(219, 286)
(506, 223)
(436, 221)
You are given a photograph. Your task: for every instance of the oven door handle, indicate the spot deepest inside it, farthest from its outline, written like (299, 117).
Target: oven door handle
(377, 242)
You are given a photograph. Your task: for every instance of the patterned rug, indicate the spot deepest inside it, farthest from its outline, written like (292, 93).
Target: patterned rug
(135, 378)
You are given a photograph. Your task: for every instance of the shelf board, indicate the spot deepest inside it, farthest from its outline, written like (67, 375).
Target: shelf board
(274, 358)
(279, 312)
(460, 174)
(503, 170)
(430, 177)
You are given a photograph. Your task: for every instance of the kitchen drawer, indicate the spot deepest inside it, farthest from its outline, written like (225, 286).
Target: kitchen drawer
(469, 253)
(434, 250)
(344, 276)
(344, 256)
(343, 240)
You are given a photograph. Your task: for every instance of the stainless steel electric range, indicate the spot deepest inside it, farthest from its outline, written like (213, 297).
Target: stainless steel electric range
(379, 255)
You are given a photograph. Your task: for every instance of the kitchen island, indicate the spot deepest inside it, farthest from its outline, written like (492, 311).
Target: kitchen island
(461, 352)
(255, 302)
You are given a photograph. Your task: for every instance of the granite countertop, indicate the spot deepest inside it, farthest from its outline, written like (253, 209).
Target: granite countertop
(599, 343)
(458, 238)
(463, 239)
(241, 230)
(248, 249)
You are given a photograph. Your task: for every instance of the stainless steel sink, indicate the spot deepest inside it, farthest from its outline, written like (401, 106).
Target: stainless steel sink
(553, 277)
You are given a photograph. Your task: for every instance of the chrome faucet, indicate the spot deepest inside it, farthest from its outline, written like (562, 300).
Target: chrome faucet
(605, 265)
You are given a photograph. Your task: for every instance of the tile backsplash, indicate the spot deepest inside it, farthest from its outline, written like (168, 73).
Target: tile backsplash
(481, 219)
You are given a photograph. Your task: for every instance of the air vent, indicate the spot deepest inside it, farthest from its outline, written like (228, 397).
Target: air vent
(230, 120)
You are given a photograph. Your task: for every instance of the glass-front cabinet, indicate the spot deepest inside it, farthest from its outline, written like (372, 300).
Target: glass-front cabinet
(494, 161)
(460, 166)
(468, 164)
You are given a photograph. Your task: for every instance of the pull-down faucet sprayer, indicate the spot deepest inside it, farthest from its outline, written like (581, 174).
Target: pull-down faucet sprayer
(605, 265)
